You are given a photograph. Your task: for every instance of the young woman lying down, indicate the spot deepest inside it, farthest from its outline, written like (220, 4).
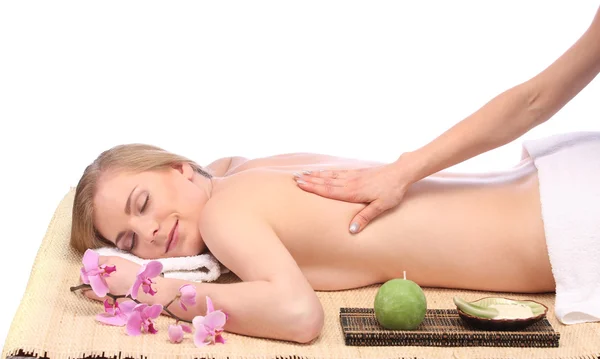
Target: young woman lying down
(479, 232)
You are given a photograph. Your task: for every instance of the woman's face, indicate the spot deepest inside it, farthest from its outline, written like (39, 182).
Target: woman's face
(152, 214)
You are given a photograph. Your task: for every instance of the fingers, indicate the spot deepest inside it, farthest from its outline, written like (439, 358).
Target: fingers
(326, 174)
(321, 181)
(364, 217)
(324, 187)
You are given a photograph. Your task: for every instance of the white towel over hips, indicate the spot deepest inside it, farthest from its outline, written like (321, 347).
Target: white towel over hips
(569, 176)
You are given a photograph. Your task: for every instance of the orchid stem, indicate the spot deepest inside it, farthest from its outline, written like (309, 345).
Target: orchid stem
(81, 286)
(176, 317)
(115, 297)
(171, 302)
(166, 309)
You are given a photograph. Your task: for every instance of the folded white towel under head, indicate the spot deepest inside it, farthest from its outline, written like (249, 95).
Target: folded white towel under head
(200, 268)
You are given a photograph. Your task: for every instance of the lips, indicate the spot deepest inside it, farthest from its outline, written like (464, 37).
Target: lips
(173, 236)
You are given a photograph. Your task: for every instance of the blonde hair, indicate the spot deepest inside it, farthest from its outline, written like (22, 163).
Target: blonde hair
(130, 157)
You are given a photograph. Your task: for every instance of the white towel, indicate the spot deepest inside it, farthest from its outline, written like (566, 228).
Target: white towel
(187, 268)
(569, 178)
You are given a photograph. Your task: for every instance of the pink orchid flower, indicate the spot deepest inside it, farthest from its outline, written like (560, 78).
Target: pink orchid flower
(95, 275)
(140, 319)
(176, 332)
(116, 314)
(209, 328)
(187, 295)
(144, 278)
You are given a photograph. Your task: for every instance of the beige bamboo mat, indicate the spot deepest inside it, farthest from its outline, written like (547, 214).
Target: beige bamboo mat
(54, 323)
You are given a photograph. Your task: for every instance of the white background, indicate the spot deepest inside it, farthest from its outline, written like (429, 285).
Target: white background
(253, 78)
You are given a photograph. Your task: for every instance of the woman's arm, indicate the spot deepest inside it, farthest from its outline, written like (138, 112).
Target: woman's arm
(514, 112)
(274, 300)
(255, 308)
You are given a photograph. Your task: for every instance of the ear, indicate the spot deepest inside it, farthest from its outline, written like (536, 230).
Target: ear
(185, 169)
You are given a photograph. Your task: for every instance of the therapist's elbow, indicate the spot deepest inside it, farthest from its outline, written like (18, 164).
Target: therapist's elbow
(537, 108)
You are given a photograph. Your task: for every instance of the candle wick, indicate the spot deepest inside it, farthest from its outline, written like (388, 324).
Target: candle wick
(404, 275)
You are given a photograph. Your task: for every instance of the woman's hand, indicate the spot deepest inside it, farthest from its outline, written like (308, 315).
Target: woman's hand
(381, 187)
(120, 281)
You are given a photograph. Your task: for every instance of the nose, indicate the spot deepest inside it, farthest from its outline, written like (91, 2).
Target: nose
(146, 228)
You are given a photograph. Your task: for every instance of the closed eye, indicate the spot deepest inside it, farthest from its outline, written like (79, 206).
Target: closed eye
(133, 242)
(145, 204)
(133, 235)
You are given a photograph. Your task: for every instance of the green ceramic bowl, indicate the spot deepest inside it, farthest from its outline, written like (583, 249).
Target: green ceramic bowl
(498, 313)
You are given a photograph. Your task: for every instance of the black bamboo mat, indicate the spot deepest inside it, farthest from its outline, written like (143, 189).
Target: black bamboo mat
(441, 328)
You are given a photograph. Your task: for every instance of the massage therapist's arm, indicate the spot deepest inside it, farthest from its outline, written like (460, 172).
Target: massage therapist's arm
(514, 112)
(273, 301)
(500, 121)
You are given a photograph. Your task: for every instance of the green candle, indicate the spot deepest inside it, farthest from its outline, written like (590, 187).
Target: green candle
(400, 304)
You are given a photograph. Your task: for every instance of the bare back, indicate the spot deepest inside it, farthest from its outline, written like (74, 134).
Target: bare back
(467, 231)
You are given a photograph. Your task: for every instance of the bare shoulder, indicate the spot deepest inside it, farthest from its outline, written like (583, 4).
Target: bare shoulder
(235, 199)
(217, 216)
(243, 197)
(245, 191)
(243, 240)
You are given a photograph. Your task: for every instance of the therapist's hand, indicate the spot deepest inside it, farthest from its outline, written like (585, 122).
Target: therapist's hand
(381, 188)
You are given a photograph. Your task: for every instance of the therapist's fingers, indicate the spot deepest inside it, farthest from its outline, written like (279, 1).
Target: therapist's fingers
(327, 174)
(325, 187)
(331, 182)
(369, 213)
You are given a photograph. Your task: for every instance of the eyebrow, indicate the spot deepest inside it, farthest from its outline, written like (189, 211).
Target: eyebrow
(127, 212)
